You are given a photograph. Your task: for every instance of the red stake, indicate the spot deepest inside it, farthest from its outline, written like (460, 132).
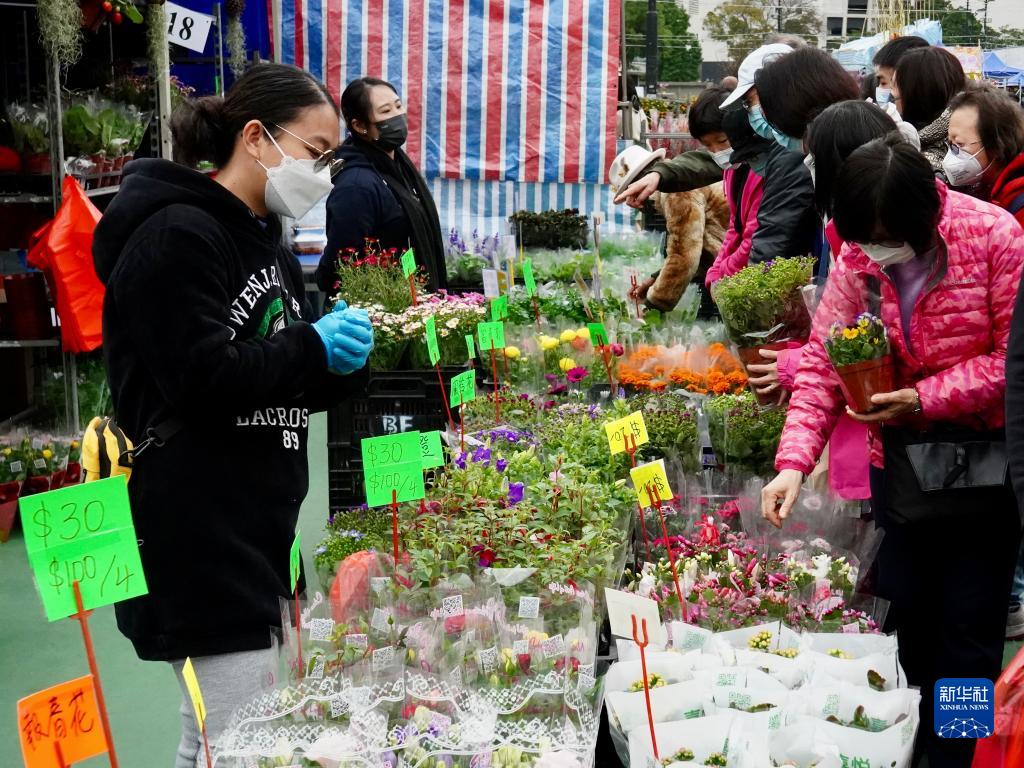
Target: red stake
(412, 287)
(82, 617)
(298, 642)
(630, 443)
(647, 689)
(60, 755)
(394, 525)
(462, 429)
(632, 282)
(652, 493)
(536, 312)
(605, 352)
(444, 396)
(206, 747)
(497, 402)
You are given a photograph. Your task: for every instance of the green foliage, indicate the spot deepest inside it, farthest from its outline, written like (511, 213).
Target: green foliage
(679, 54)
(95, 126)
(361, 285)
(561, 302)
(743, 25)
(352, 531)
(30, 127)
(762, 303)
(743, 434)
(550, 229)
(93, 393)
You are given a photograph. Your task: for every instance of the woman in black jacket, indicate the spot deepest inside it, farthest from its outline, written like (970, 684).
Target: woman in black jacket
(379, 194)
(207, 341)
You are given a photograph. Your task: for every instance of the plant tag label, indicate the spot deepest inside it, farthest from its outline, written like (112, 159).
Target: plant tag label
(379, 621)
(488, 659)
(521, 647)
(39, 463)
(316, 672)
(357, 641)
(17, 466)
(529, 607)
(339, 706)
(451, 606)
(383, 657)
(491, 288)
(320, 630)
(553, 647)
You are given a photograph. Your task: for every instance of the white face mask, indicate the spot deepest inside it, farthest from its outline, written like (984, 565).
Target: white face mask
(883, 95)
(722, 158)
(963, 168)
(294, 186)
(887, 255)
(809, 162)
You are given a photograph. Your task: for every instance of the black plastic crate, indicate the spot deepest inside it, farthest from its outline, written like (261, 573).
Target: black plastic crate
(395, 401)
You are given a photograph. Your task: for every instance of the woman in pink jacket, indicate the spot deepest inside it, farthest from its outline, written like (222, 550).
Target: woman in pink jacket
(941, 270)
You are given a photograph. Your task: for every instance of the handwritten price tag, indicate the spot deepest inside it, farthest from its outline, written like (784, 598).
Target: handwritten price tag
(470, 347)
(390, 449)
(83, 533)
(598, 335)
(463, 388)
(409, 263)
(66, 714)
(431, 332)
(492, 336)
(531, 284)
(431, 451)
(405, 479)
(651, 476)
(295, 559)
(499, 308)
(632, 425)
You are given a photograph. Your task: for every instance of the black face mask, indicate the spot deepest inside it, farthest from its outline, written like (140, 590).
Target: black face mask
(393, 133)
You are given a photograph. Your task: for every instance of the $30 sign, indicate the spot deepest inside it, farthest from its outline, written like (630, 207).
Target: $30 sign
(83, 533)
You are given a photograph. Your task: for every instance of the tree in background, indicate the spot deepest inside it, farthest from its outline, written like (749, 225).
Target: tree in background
(679, 55)
(743, 25)
(963, 26)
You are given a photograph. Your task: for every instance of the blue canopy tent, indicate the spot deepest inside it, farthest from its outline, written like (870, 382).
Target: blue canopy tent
(994, 68)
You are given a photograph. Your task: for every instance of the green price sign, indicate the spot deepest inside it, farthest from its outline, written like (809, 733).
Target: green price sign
(390, 450)
(408, 263)
(83, 533)
(499, 308)
(431, 451)
(432, 349)
(398, 482)
(492, 336)
(463, 388)
(295, 559)
(598, 335)
(531, 284)
(470, 347)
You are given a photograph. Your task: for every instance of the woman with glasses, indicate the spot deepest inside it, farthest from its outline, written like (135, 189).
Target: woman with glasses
(985, 154)
(941, 270)
(379, 195)
(209, 350)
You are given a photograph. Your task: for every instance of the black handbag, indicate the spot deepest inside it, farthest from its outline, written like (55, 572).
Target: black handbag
(950, 465)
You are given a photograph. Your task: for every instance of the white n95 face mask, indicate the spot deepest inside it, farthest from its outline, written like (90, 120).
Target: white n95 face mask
(295, 186)
(721, 158)
(887, 255)
(962, 169)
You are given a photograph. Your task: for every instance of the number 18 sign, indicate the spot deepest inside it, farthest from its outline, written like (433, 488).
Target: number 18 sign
(83, 533)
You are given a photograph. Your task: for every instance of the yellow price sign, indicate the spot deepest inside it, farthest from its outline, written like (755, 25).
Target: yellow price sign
(650, 482)
(188, 673)
(631, 426)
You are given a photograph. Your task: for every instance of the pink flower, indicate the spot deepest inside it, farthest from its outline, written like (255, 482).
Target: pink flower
(576, 375)
(618, 350)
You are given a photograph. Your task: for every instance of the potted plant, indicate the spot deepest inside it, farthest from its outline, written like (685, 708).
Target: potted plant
(31, 136)
(762, 307)
(860, 354)
(550, 229)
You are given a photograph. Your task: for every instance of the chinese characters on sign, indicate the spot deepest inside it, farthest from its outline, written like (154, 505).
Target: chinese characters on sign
(66, 714)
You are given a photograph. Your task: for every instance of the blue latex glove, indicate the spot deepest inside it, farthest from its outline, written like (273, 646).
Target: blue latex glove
(330, 324)
(351, 346)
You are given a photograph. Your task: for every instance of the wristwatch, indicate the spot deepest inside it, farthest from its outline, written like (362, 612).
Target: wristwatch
(917, 408)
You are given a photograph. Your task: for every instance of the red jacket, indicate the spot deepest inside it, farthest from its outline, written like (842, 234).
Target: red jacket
(959, 330)
(1009, 185)
(735, 251)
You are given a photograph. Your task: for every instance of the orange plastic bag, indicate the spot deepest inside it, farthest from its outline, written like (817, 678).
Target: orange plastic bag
(63, 251)
(1005, 749)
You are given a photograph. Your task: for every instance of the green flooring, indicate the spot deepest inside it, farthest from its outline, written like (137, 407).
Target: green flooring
(142, 697)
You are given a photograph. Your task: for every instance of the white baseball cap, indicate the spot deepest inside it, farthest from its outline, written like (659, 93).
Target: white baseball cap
(750, 66)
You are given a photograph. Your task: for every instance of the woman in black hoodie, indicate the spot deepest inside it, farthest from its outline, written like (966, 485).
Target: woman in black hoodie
(379, 194)
(209, 347)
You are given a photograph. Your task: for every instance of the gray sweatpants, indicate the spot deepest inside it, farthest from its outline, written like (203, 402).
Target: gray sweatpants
(228, 681)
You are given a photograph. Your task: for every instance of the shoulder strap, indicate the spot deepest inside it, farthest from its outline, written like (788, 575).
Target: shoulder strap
(1016, 204)
(158, 436)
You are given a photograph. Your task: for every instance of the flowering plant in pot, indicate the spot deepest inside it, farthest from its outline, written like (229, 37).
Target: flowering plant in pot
(860, 354)
(13, 470)
(762, 307)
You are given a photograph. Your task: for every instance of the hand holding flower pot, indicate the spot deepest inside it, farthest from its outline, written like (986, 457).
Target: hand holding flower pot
(860, 354)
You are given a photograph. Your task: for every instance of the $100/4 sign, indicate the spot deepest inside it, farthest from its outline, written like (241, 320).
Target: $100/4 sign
(83, 533)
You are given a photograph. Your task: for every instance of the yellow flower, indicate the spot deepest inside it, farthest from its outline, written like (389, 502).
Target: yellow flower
(583, 333)
(566, 364)
(850, 333)
(512, 352)
(547, 343)
(74, 445)
(7, 451)
(47, 454)
(863, 322)
(568, 336)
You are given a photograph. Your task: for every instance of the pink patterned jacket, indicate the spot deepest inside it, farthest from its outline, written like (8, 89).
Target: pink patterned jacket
(958, 330)
(735, 251)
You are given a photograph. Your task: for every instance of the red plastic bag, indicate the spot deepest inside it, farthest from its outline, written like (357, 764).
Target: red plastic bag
(1005, 748)
(63, 251)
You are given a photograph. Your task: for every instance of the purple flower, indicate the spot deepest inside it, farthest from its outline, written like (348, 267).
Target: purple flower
(551, 377)
(515, 492)
(460, 460)
(482, 455)
(501, 465)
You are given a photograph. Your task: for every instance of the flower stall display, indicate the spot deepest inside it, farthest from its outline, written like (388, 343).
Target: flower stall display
(763, 307)
(860, 354)
(13, 471)
(466, 259)
(550, 229)
(744, 435)
(372, 277)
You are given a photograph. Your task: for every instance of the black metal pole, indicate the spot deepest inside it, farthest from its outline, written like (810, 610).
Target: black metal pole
(652, 48)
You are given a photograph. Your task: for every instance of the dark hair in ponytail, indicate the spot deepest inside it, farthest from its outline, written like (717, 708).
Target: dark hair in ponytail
(207, 128)
(355, 101)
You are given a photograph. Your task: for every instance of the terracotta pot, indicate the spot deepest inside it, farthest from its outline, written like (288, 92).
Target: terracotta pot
(862, 380)
(28, 307)
(37, 163)
(752, 356)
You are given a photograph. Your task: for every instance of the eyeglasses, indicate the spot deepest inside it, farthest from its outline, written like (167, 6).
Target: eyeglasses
(957, 148)
(328, 159)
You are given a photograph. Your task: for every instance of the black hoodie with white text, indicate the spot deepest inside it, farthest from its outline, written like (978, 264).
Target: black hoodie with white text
(205, 321)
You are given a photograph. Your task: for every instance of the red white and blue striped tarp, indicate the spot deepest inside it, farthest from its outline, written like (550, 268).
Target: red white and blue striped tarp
(496, 90)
